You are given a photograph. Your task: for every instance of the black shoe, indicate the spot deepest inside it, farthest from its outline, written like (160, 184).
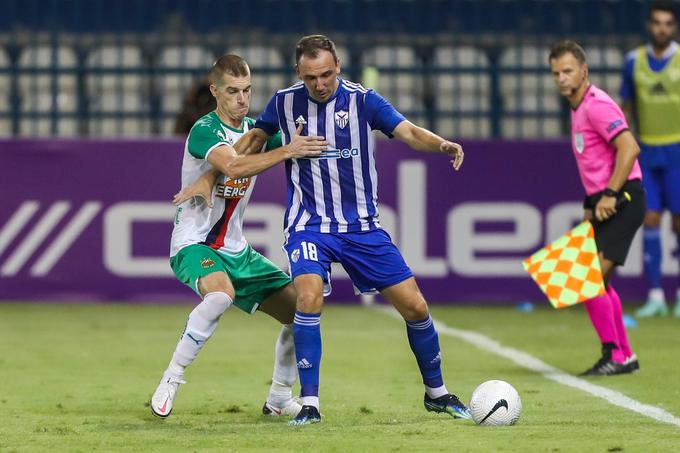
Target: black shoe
(307, 416)
(606, 366)
(448, 404)
(632, 364)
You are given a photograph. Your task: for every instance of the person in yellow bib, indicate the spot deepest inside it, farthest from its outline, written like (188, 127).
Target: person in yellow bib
(651, 99)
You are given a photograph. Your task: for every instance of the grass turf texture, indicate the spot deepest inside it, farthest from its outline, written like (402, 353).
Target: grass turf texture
(78, 378)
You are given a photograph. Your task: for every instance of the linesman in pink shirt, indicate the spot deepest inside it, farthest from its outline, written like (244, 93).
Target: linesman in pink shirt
(606, 156)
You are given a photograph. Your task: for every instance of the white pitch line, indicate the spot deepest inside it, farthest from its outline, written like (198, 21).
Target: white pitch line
(549, 372)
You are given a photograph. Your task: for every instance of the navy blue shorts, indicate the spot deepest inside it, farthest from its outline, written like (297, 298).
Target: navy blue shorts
(370, 258)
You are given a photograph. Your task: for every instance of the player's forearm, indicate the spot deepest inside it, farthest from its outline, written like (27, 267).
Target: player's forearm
(251, 142)
(209, 178)
(250, 165)
(422, 139)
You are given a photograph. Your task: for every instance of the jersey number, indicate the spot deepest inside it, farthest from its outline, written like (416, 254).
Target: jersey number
(309, 251)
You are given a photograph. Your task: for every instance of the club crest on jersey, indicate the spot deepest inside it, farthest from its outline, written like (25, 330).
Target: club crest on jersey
(579, 142)
(207, 262)
(341, 118)
(233, 188)
(295, 255)
(300, 120)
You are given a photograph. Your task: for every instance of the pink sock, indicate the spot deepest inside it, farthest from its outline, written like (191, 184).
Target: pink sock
(618, 322)
(602, 316)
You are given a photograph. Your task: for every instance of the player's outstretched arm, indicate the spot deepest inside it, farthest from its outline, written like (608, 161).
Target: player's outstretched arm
(251, 142)
(627, 150)
(422, 139)
(225, 159)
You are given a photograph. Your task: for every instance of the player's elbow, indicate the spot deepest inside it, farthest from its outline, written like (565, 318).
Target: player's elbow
(237, 174)
(234, 171)
(633, 148)
(636, 149)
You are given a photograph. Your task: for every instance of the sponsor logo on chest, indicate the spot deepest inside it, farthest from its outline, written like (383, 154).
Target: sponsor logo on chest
(233, 188)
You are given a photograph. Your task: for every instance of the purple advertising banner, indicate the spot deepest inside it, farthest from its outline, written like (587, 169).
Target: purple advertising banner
(86, 220)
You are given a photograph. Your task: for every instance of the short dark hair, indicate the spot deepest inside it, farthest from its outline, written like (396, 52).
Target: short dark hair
(228, 64)
(312, 44)
(567, 46)
(664, 5)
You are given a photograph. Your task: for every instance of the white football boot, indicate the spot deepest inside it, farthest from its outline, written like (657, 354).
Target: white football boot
(164, 396)
(290, 409)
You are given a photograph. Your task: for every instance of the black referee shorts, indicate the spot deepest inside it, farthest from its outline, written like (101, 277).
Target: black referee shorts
(614, 235)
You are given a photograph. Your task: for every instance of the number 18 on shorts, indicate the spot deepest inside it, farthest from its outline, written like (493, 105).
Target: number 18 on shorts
(370, 258)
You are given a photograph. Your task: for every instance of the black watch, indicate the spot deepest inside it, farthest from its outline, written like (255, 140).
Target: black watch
(610, 193)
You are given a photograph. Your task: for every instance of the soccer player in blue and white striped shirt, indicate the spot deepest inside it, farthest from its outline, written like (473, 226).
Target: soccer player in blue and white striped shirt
(332, 213)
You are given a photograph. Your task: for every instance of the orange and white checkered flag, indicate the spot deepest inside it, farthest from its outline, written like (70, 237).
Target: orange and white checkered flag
(568, 270)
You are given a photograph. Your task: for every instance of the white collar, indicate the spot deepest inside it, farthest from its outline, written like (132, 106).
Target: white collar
(669, 52)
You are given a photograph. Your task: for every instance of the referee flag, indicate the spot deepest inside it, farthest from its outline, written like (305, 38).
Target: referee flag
(568, 270)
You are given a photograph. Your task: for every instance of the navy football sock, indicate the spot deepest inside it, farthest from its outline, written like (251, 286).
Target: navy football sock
(307, 334)
(424, 342)
(652, 250)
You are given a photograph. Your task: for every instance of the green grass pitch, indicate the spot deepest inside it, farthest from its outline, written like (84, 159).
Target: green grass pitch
(78, 378)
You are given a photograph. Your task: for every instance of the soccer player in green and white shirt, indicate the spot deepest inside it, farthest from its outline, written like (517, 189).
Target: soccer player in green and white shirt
(208, 250)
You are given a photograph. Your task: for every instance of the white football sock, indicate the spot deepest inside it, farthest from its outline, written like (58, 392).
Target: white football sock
(656, 295)
(285, 368)
(200, 326)
(436, 392)
(310, 401)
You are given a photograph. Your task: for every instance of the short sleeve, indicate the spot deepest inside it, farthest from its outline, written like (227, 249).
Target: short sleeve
(627, 91)
(269, 119)
(380, 114)
(203, 138)
(607, 118)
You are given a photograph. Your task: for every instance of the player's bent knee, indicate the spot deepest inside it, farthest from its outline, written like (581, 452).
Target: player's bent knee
(413, 309)
(652, 219)
(309, 301)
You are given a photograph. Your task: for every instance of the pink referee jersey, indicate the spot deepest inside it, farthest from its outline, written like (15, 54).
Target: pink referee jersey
(594, 124)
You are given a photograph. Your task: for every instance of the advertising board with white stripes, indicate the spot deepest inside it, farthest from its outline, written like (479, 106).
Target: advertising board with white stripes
(84, 220)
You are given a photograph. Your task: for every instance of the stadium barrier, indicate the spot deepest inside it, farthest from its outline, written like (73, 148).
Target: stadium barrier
(91, 219)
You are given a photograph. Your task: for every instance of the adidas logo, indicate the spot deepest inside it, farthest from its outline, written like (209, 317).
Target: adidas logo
(300, 120)
(438, 358)
(304, 364)
(658, 89)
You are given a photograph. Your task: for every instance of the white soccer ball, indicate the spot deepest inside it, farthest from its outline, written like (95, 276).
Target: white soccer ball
(495, 403)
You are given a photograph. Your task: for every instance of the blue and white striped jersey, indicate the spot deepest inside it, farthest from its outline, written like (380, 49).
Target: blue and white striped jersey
(338, 191)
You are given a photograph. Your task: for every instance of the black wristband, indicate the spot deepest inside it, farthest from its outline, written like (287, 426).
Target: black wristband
(610, 193)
